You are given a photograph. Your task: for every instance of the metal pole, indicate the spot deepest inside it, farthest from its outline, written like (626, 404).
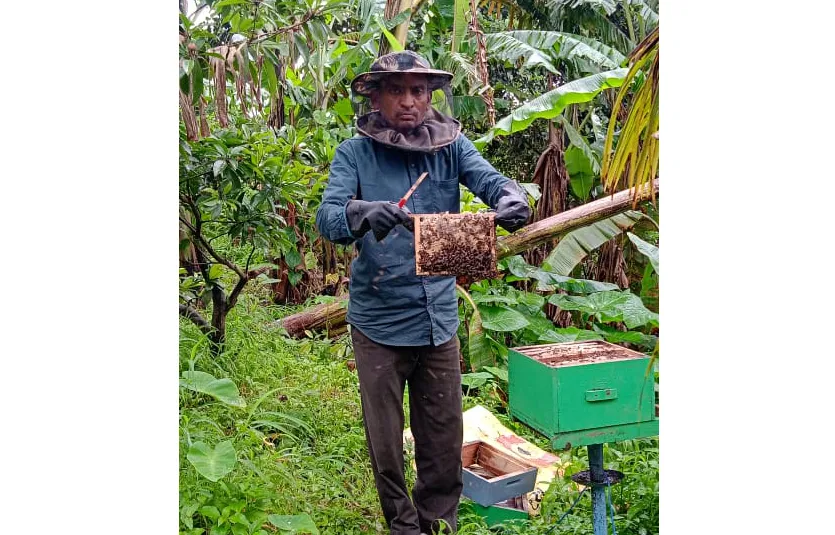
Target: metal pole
(598, 489)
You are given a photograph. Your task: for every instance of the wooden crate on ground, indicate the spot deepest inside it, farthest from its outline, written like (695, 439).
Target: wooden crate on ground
(491, 476)
(456, 245)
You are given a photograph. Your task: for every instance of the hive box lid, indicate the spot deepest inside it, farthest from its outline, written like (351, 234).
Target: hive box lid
(578, 353)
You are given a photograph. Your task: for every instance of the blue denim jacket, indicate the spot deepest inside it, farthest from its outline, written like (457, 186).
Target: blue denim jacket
(388, 302)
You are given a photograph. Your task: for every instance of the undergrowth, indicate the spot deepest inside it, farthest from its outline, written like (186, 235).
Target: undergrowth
(300, 445)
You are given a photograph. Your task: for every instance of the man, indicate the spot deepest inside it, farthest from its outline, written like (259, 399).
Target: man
(404, 326)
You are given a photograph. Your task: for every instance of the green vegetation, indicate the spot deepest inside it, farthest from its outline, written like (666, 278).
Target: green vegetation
(299, 446)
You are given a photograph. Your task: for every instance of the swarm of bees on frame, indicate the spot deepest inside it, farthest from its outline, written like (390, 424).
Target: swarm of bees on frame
(456, 245)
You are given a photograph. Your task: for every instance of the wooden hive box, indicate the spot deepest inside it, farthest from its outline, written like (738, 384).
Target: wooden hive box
(501, 512)
(456, 245)
(491, 476)
(581, 393)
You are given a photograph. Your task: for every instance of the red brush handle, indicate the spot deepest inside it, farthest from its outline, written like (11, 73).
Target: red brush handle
(405, 198)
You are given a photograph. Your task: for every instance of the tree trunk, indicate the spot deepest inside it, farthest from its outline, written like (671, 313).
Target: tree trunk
(552, 178)
(220, 309)
(610, 265)
(332, 315)
(188, 255)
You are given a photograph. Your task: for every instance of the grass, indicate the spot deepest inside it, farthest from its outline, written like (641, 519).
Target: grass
(300, 444)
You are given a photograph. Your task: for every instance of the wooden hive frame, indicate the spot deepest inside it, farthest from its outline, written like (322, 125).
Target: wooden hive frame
(456, 245)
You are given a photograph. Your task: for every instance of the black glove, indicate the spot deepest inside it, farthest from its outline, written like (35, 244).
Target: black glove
(377, 216)
(512, 211)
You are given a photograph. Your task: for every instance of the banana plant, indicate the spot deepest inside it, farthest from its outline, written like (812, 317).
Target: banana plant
(546, 48)
(618, 23)
(459, 25)
(634, 161)
(552, 103)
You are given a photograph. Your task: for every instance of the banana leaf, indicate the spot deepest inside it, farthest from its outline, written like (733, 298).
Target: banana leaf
(608, 307)
(577, 139)
(551, 104)
(547, 281)
(460, 66)
(644, 11)
(571, 249)
(477, 348)
(538, 47)
(506, 46)
(646, 249)
(607, 6)
(634, 161)
(459, 24)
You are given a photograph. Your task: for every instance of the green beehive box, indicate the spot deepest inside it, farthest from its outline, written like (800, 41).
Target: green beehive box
(497, 514)
(581, 393)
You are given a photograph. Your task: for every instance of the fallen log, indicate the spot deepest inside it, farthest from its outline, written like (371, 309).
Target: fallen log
(558, 225)
(327, 316)
(331, 316)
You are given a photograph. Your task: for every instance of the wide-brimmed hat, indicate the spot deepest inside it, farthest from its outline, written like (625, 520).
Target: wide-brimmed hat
(398, 63)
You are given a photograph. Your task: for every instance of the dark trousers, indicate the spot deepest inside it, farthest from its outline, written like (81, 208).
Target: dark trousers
(434, 377)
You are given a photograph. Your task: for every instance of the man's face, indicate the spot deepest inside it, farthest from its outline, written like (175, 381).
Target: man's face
(403, 100)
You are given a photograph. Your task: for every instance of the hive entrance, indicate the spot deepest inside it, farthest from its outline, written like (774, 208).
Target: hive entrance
(574, 353)
(456, 245)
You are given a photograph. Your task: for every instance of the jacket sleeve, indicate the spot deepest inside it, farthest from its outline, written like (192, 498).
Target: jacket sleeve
(341, 188)
(478, 175)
